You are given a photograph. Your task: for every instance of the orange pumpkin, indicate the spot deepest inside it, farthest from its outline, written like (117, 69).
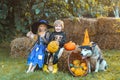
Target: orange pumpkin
(79, 68)
(72, 69)
(53, 46)
(83, 64)
(70, 46)
(76, 62)
(85, 67)
(78, 72)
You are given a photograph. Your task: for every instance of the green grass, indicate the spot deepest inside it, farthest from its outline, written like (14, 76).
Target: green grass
(15, 69)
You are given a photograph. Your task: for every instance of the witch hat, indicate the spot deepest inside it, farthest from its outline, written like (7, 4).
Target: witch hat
(35, 25)
(86, 41)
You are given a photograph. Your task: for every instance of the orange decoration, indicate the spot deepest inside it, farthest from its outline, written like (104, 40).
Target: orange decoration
(70, 46)
(53, 46)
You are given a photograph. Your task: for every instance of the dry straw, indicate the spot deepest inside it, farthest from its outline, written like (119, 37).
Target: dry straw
(20, 47)
(104, 31)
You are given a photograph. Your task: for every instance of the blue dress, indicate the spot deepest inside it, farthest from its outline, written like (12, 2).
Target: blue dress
(37, 54)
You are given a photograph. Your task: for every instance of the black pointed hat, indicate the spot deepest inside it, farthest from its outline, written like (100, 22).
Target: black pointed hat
(35, 25)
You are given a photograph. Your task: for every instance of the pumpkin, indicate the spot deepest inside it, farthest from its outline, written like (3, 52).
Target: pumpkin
(77, 65)
(83, 72)
(85, 67)
(78, 72)
(53, 46)
(76, 62)
(72, 69)
(79, 68)
(70, 46)
(83, 64)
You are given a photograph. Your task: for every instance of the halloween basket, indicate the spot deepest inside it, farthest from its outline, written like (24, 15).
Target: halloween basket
(76, 65)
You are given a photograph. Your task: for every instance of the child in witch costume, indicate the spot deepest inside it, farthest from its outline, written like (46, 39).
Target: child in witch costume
(36, 55)
(59, 36)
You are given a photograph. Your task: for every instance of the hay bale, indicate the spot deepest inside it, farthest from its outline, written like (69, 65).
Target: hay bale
(68, 28)
(107, 36)
(90, 24)
(75, 28)
(63, 61)
(106, 25)
(108, 41)
(20, 47)
(104, 31)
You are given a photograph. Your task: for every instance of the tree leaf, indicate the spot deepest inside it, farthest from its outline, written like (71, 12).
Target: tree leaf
(37, 11)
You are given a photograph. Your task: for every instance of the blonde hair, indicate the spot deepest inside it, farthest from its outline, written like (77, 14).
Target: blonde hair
(59, 22)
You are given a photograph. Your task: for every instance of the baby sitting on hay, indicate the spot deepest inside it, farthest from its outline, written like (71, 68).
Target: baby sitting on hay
(47, 58)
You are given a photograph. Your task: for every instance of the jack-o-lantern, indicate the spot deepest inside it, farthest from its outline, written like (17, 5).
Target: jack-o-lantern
(70, 46)
(53, 46)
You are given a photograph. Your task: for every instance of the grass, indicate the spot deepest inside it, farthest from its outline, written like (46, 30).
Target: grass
(15, 69)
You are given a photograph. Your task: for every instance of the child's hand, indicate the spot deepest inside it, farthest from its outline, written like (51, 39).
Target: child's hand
(42, 34)
(58, 42)
(47, 50)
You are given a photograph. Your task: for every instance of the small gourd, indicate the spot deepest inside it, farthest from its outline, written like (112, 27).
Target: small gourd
(70, 46)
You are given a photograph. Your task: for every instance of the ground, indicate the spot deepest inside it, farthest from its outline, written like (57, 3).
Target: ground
(15, 69)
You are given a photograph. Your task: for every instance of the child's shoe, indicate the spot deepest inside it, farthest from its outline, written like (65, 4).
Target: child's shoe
(55, 68)
(45, 68)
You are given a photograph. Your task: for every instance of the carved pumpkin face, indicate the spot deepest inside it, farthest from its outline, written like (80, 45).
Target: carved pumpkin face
(70, 46)
(53, 46)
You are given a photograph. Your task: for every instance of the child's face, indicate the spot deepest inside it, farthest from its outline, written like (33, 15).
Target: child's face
(58, 28)
(42, 27)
